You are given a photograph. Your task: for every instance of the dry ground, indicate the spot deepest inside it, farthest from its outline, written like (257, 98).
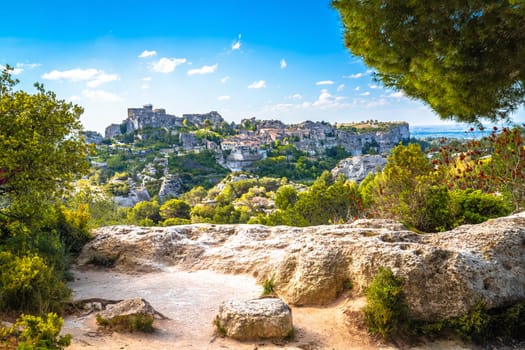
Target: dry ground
(191, 301)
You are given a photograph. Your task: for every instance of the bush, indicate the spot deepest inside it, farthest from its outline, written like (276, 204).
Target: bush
(474, 206)
(35, 333)
(128, 323)
(268, 287)
(481, 325)
(386, 311)
(176, 221)
(27, 284)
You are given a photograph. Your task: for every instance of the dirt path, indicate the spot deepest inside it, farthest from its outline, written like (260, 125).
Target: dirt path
(191, 301)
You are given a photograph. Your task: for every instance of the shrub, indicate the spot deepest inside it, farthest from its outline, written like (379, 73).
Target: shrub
(219, 327)
(474, 206)
(102, 260)
(386, 311)
(128, 323)
(176, 221)
(481, 325)
(35, 333)
(268, 287)
(29, 285)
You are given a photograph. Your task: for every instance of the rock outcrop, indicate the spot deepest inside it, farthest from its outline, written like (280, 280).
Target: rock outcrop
(357, 168)
(444, 274)
(254, 319)
(172, 187)
(128, 307)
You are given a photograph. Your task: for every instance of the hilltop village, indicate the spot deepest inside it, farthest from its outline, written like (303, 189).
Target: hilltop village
(241, 145)
(153, 154)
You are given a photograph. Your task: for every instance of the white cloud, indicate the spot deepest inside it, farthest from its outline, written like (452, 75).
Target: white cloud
(325, 98)
(374, 86)
(366, 93)
(357, 88)
(377, 103)
(204, 70)
(146, 79)
(355, 76)
(74, 98)
(257, 84)
(283, 63)
(324, 82)
(147, 53)
(167, 65)
(92, 76)
(397, 94)
(145, 86)
(28, 65)
(100, 95)
(341, 87)
(223, 98)
(102, 78)
(225, 79)
(72, 74)
(237, 44)
(295, 97)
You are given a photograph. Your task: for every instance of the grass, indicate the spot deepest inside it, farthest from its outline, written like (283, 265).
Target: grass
(128, 323)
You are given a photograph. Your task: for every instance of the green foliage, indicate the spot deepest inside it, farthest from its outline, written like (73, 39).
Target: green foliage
(194, 196)
(35, 333)
(73, 227)
(197, 169)
(175, 222)
(474, 206)
(175, 208)
(128, 323)
(42, 148)
(102, 260)
(337, 153)
(407, 190)
(289, 162)
(268, 287)
(219, 327)
(463, 59)
(286, 197)
(371, 147)
(492, 164)
(481, 325)
(117, 188)
(386, 311)
(145, 213)
(348, 284)
(29, 285)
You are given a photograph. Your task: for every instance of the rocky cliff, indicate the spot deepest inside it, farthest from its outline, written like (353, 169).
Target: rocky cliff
(444, 274)
(357, 168)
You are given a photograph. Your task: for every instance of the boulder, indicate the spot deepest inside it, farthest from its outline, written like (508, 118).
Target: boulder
(358, 167)
(444, 274)
(128, 307)
(254, 319)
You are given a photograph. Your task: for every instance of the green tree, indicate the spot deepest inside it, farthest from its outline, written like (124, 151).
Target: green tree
(405, 190)
(42, 148)
(464, 59)
(285, 197)
(145, 213)
(175, 208)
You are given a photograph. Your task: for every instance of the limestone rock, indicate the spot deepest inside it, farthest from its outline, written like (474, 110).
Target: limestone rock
(172, 187)
(134, 306)
(255, 319)
(444, 274)
(358, 167)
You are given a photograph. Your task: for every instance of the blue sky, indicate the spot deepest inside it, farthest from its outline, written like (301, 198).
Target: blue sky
(265, 59)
